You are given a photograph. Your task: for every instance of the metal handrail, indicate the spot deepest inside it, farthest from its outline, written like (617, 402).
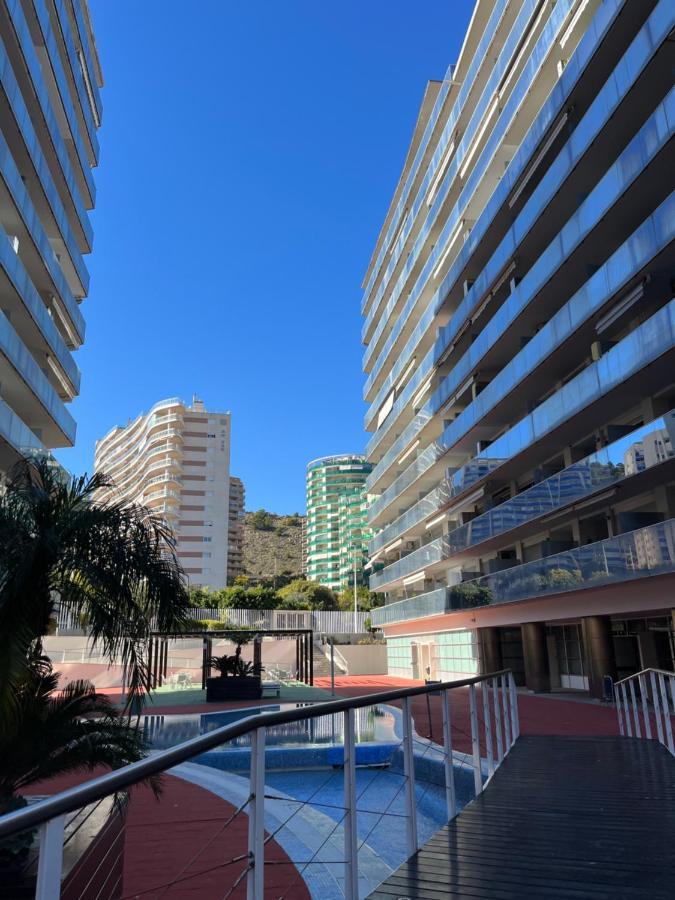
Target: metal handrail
(644, 672)
(643, 699)
(119, 780)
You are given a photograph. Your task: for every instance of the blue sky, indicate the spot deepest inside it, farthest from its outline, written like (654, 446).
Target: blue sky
(249, 151)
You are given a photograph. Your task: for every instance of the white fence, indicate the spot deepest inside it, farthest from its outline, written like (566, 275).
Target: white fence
(327, 622)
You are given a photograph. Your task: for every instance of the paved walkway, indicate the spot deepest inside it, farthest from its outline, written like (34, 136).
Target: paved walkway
(586, 818)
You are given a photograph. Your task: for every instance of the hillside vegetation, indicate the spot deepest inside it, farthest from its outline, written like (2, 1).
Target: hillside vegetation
(268, 537)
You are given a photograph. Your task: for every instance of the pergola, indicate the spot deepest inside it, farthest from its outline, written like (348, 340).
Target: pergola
(158, 650)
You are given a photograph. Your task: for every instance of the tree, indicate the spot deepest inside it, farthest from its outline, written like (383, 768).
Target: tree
(318, 596)
(112, 565)
(61, 731)
(365, 599)
(261, 520)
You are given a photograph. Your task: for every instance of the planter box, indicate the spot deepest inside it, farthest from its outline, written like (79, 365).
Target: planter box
(230, 688)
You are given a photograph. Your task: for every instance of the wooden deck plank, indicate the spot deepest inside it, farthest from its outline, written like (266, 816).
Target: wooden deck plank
(565, 818)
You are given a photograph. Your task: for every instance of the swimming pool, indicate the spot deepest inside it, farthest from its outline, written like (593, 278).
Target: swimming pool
(304, 786)
(308, 742)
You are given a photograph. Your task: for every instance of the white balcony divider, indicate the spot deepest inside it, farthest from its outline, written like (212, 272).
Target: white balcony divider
(643, 697)
(50, 815)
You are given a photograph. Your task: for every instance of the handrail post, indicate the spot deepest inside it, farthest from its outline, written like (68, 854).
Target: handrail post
(50, 863)
(666, 714)
(475, 744)
(507, 718)
(498, 719)
(657, 708)
(645, 708)
(515, 717)
(487, 722)
(619, 711)
(409, 771)
(351, 852)
(450, 796)
(255, 878)
(629, 727)
(636, 715)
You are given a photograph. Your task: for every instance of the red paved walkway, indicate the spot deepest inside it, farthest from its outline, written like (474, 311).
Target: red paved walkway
(178, 847)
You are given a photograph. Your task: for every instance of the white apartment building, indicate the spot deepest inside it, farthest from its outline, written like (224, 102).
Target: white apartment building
(175, 460)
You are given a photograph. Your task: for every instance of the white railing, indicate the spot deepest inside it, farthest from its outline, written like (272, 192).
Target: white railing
(494, 722)
(325, 621)
(645, 698)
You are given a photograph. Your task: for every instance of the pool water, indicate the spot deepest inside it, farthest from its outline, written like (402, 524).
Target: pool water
(304, 786)
(374, 724)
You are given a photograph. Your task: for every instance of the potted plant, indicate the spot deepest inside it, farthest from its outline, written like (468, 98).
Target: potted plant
(237, 679)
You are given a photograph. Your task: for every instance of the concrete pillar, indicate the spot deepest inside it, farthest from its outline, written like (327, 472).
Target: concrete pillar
(535, 654)
(491, 655)
(599, 651)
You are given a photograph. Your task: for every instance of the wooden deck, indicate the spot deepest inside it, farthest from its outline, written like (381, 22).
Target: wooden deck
(563, 817)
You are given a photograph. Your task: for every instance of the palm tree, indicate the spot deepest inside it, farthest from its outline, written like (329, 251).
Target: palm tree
(111, 565)
(53, 732)
(61, 731)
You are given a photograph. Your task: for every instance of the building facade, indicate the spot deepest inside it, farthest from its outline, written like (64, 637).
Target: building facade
(50, 81)
(235, 543)
(175, 460)
(520, 355)
(335, 539)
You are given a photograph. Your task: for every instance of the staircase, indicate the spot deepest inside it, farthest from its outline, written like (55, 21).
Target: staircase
(322, 661)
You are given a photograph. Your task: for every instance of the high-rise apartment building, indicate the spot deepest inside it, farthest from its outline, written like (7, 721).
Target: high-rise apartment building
(175, 460)
(235, 543)
(520, 354)
(51, 111)
(335, 538)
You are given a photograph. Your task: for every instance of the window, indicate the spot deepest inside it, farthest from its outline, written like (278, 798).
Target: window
(210, 435)
(207, 540)
(206, 555)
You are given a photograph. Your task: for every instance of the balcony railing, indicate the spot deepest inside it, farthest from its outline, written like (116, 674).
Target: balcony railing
(433, 603)
(636, 554)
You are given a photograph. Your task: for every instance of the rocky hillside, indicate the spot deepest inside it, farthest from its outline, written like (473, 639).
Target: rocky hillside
(268, 537)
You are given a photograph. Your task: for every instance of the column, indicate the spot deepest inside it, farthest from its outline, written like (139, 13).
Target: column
(599, 651)
(535, 654)
(491, 654)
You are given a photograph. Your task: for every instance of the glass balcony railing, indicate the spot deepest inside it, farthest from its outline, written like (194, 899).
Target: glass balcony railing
(636, 554)
(36, 309)
(34, 379)
(626, 168)
(642, 449)
(605, 104)
(444, 141)
(59, 73)
(631, 257)
(16, 433)
(426, 555)
(32, 63)
(433, 603)
(480, 114)
(88, 61)
(489, 99)
(603, 18)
